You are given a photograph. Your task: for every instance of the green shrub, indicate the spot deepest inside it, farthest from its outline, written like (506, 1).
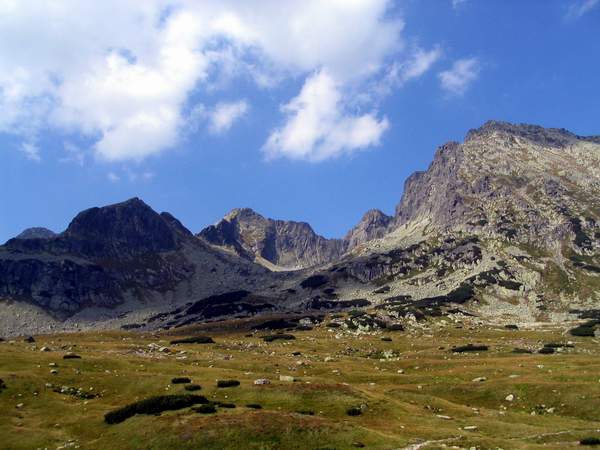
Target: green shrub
(227, 383)
(181, 380)
(192, 387)
(253, 406)
(224, 405)
(470, 348)
(590, 441)
(522, 351)
(208, 408)
(276, 337)
(194, 340)
(354, 411)
(153, 405)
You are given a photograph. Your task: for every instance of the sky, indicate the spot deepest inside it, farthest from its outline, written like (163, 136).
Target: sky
(309, 110)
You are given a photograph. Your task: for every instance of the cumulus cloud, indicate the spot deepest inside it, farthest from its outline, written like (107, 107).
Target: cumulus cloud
(459, 77)
(121, 72)
(580, 8)
(318, 127)
(31, 151)
(225, 114)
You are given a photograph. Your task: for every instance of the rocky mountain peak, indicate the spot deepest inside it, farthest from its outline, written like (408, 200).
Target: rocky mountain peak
(373, 225)
(131, 224)
(549, 137)
(36, 233)
(286, 244)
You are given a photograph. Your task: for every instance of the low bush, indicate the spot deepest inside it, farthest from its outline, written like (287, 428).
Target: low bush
(277, 337)
(208, 408)
(192, 387)
(225, 405)
(153, 405)
(71, 356)
(253, 406)
(590, 441)
(586, 329)
(181, 380)
(470, 348)
(194, 340)
(227, 383)
(354, 411)
(522, 351)
(546, 351)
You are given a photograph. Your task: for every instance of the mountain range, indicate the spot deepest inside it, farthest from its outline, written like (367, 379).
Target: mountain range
(504, 225)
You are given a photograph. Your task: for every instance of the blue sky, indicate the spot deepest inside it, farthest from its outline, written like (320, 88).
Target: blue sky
(316, 111)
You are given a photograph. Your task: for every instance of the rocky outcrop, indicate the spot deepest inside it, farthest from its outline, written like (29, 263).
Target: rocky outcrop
(286, 244)
(36, 233)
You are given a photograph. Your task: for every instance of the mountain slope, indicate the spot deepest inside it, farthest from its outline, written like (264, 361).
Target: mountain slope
(505, 224)
(109, 255)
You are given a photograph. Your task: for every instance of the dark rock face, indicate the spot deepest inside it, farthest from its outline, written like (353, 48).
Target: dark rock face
(103, 253)
(283, 243)
(36, 233)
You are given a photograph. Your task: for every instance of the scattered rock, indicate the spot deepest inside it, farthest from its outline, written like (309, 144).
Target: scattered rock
(45, 349)
(479, 379)
(510, 398)
(262, 381)
(288, 378)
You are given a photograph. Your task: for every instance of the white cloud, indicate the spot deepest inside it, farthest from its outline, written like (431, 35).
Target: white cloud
(31, 151)
(73, 154)
(458, 79)
(113, 177)
(458, 3)
(318, 127)
(121, 72)
(225, 114)
(579, 8)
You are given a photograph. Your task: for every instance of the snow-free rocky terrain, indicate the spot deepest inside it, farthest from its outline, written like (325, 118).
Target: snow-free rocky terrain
(504, 226)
